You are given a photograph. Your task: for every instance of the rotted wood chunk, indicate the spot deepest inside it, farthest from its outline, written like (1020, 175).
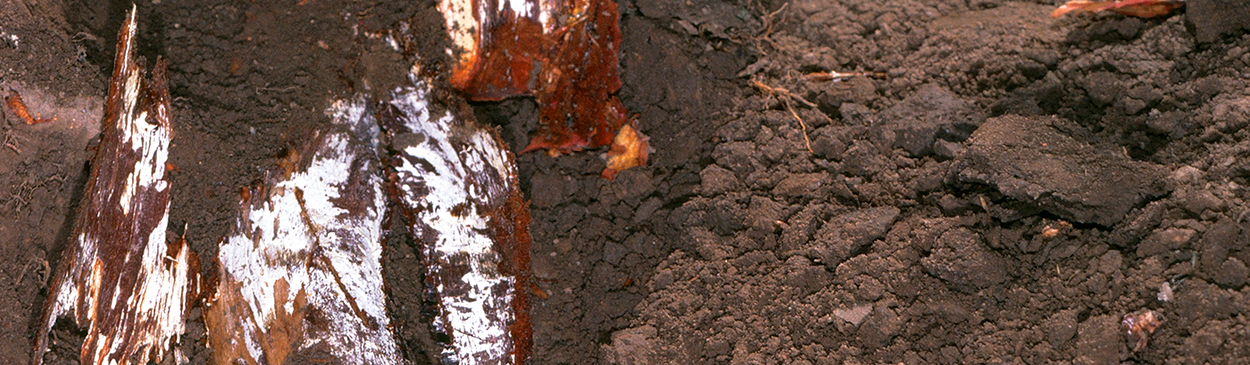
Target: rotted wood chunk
(457, 188)
(119, 278)
(300, 279)
(564, 52)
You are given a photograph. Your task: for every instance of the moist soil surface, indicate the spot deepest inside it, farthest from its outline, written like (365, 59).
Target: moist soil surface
(999, 187)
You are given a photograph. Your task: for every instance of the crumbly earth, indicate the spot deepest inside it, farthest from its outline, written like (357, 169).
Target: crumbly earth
(1003, 189)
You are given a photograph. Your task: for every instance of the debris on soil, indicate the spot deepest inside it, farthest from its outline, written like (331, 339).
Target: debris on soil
(629, 149)
(1165, 292)
(1137, 8)
(839, 76)
(1040, 166)
(563, 52)
(119, 279)
(1050, 231)
(1138, 327)
(14, 101)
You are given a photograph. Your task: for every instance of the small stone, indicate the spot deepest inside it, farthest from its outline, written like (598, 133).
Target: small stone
(809, 186)
(961, 259)
(1198, 201)
(708, 244)
(1060, 328)
(1210, 20)
(1110, 262)
(847, 234)
(632, 346)
(947, 149)
(1099, 341)
(855, 315)
(932, 113)
(1165, 292)
(880, 328)
(1186, 175)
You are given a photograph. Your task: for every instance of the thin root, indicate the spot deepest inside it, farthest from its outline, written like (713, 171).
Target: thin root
(801, 125)
(785, 96)
(21, 276)
(767, 21)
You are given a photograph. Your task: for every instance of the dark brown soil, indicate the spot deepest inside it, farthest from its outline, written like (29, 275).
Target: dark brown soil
(1005, 191)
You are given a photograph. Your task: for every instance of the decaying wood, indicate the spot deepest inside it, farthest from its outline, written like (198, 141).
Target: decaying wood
(563, 52)
(119, 278)
(457, 187)
(300, 280)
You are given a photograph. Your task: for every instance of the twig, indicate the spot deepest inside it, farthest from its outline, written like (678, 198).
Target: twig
(276, 89)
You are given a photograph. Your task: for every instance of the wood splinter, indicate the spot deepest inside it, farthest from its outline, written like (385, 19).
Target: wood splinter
(119, 278)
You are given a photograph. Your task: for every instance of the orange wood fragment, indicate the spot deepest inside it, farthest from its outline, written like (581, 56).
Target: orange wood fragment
(1136, 8)
(629, 149)
(14, 101)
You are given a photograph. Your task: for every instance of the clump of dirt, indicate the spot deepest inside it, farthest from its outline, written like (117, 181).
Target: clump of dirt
(1006, 190)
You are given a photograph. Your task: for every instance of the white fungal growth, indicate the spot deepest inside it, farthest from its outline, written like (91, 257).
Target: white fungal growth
(446, 178)
(304, 234)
